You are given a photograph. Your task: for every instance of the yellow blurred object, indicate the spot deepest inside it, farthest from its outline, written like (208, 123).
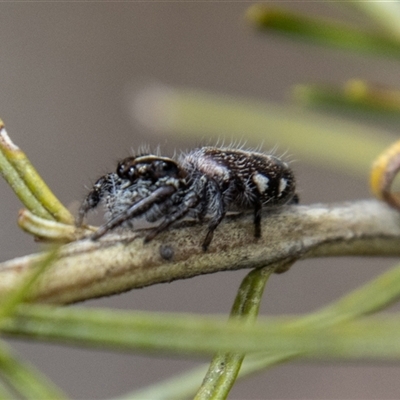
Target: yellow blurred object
(384, 170)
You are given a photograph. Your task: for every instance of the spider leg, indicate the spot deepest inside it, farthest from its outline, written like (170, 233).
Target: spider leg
(136, 209)
(219, 212)
(189, 202)
(201, 210)
(94, 197)
(257, 219)
(295, 199)
(191, 199)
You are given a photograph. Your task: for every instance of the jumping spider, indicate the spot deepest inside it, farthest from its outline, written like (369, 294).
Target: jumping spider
(205, 182)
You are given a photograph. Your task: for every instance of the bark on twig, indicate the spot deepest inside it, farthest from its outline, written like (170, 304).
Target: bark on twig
(120, 262)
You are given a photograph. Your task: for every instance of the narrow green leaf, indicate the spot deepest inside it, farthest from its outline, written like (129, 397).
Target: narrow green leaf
(225, 367)
(180, 387)
(89, 326)
(184, 334)
(310, 137)
(25, 379)
(322, 31)
(9, 304)
(32, 180)
(5, 392)
(374, 296)
(20, 188)
(385, 13)
(46, 229)
(355, 95)
(185, 385)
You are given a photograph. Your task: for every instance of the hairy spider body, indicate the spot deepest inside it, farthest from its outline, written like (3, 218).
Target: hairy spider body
(208, 181)
(234, 180)
(144, 186)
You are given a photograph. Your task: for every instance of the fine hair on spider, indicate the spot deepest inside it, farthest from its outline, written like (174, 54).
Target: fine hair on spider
(205, 182)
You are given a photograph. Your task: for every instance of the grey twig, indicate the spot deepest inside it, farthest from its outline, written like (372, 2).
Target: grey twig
(120, 261)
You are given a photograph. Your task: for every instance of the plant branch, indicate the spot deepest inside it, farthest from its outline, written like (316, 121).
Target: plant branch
(120, 261)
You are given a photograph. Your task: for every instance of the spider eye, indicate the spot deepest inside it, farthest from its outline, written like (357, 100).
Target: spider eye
(120, 170)
(131, 173)
(165, 168)
(126, 170)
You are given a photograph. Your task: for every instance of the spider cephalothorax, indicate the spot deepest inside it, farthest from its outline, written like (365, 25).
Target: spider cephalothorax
(143, 186)
(206, 182)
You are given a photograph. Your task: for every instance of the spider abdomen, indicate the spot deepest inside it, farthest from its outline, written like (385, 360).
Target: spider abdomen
(248, 176)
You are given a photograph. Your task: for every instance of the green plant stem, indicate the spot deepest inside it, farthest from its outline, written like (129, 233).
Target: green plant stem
(26, 179)
(21, 190)
(25, 379)
(46, 229)
(9, 304)
(373, 338)
(182, 387)
(324, 32)
(355, 94)
(43, 322)
(225, 367)
(5, 393)
(385, 13)
(39, 188)
(185, 385)
(372, 297)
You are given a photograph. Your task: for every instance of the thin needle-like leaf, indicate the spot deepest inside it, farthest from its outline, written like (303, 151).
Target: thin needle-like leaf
(20, 188)
(354, 95)
(321, 140)
(31, 181)
(9, 303)
(5, 393)
(324, 32)
(25, 379)
(385, 13)
(225, 367)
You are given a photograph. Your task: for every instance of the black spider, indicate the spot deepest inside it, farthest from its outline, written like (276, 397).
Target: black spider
(207, 181)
